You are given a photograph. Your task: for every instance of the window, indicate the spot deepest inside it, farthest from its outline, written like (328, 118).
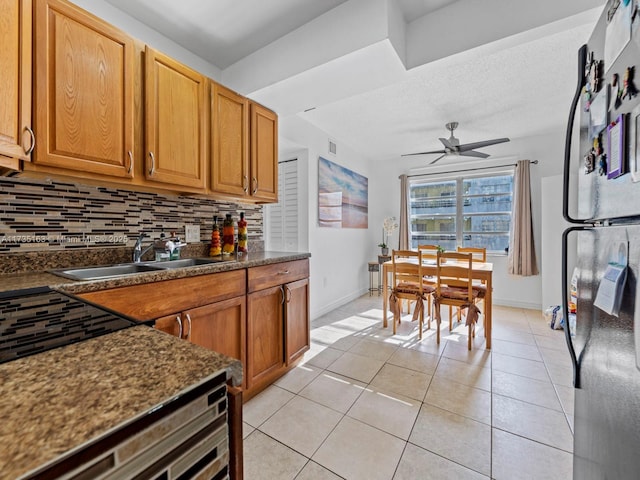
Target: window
(281, 219)
(466, 211)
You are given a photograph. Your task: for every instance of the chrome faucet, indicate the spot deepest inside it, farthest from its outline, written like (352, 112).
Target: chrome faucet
(138, 252)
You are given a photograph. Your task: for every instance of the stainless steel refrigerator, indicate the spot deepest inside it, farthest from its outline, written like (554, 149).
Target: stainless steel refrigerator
(602, 200)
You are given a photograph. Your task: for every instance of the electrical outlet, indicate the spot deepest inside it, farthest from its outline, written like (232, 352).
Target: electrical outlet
(192, 233)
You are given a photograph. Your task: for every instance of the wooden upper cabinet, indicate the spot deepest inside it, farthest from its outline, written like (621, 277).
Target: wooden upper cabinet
(16, 136)
(175, 122)
(84, 80)
(230, 145)
(264, 154)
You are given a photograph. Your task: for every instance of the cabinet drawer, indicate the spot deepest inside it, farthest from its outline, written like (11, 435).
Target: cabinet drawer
(277, 274)
(153, 300)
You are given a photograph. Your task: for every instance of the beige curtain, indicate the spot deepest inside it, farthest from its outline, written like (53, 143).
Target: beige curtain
(522, 253)
(403, 239)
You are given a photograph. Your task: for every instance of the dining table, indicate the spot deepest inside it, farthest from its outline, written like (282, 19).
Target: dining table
(482, 271)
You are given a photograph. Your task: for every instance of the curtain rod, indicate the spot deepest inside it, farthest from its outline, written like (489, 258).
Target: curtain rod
(535, 162)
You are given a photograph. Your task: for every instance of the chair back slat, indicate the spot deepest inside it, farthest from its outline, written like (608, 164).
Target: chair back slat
(479, 254)
(407, 268)
(429, 252)
(457, 275)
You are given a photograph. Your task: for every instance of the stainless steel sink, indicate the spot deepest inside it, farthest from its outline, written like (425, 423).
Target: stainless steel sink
(185, 262)
(109, 271)
(112, 271)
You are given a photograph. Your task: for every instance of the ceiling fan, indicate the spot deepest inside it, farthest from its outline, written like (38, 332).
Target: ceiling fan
(452, 146)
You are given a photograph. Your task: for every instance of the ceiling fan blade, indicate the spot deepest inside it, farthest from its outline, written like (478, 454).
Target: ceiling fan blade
(475, 154)
(485, 143)
(421, 153)
(446, 143)
(441, 156)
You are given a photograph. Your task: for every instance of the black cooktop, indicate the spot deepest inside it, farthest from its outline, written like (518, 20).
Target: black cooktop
(40, 319)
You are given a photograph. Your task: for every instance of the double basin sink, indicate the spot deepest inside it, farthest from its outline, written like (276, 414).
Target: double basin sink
(112, 271)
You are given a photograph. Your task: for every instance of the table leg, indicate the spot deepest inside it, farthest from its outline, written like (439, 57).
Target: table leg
(385, 296)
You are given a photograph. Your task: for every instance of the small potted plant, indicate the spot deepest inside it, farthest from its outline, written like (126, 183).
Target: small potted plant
(388, 227)
(441, 250)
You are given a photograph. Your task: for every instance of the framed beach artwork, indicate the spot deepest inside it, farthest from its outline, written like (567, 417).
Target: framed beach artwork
(343, 196)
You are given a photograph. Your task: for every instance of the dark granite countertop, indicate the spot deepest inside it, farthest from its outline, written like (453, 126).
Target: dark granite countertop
(58, 400)
(45, 279)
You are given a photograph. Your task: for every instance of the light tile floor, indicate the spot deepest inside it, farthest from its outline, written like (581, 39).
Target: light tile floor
(366, 404)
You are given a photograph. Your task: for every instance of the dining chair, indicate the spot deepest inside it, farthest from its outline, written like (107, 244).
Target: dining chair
(454, 287)
(408, 284)
(479, 255)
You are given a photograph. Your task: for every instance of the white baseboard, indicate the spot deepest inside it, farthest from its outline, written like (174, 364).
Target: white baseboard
(338, 303)
(515, 304)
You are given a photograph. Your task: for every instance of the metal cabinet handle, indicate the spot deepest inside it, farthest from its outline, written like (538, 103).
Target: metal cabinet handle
(189, 322)
(179, 320)
(283, 295)
(29, 150)
(130, 162)
(255, 186)
(286, 272)
(288, 294)
(153, 164)
(245, 183)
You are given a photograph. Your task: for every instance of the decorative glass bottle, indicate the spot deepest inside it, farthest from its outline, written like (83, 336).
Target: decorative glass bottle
(242, 234)
(216, 244)
(228, 235)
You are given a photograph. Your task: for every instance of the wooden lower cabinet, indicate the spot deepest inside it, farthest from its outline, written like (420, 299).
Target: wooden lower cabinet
(297, 326)
(219, 326)
(265, 333)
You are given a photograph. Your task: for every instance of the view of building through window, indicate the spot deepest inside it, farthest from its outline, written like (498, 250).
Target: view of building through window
(466, 211)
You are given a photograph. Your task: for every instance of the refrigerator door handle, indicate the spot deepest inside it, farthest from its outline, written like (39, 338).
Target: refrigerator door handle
(565, 304)
(582, 61)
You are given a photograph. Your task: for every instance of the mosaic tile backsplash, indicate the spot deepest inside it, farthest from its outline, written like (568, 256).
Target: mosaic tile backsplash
(41, 216)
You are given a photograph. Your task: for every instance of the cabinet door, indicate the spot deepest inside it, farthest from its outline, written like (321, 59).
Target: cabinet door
(171, 324)
(175, 122)
(264, 154)
(297, 327)
(15, 82)
(219, 327)
(84, 74)
(264, 335)
(230, 145)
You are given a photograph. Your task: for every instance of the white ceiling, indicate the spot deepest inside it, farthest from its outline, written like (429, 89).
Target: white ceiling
(505, 69)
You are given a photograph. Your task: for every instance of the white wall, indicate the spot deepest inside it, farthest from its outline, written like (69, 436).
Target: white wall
(153, 38)
(339, 257)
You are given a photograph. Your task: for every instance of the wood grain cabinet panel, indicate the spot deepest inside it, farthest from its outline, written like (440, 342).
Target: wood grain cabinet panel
(84, 98)
(229, 145)
(219, 327)
(16, 136)
(265, 335)
(297, 325)
(264, 154)
(175, 122)
(153, 300)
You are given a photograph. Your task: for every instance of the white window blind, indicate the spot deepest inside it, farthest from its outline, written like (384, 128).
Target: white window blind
(282, 217)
